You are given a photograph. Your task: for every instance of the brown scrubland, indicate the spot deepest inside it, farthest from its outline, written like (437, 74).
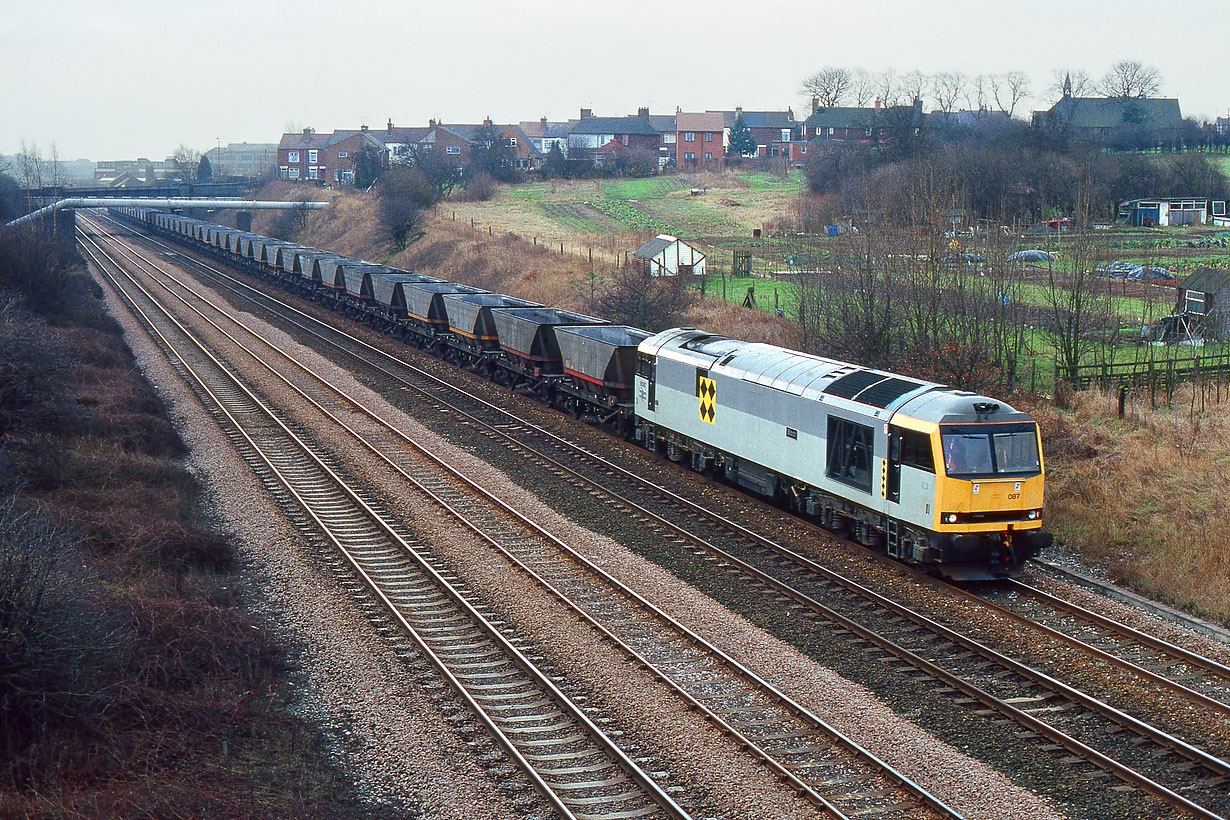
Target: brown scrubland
(1141, 498)
(132, 682)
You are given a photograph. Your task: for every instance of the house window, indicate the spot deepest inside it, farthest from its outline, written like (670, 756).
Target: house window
(343, 154)
(292, 157)
(282, 172)
(312, 155)
(804, 151)
(689, 156)
(294, 173)
(785, 135)
(708, 155)
(313, 173)
(625, 139)
(669, 139)
(453, 149)
(708, 136)
(689, 136)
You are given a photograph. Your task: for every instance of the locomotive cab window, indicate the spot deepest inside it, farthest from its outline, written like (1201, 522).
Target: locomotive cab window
(915, 451)
(849, 453)
(980, 450)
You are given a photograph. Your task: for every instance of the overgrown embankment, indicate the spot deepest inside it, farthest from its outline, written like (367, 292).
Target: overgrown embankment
(131, 683)
(1145, 500)
(1147, 496)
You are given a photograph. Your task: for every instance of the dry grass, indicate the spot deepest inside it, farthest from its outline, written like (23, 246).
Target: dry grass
(1148, 497)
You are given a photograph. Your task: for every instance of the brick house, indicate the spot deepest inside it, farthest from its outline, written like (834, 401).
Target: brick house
(301, 156)
(601, 135)
(344, 146)
(700, 140)
(768, 127)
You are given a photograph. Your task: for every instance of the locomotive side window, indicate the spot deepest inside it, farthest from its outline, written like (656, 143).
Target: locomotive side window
(849, 453)
(916, 451)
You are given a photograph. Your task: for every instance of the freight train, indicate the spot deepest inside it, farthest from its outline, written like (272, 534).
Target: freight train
(944, 479)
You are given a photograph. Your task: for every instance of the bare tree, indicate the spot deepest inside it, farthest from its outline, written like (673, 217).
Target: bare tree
(948, 87)
(829, 85)
(863, 87)
(186, 161)
(976, 91)
(1009, 89)
(887, 87)
(914, 86)
(1079, 80)
(631, 296)
(1078, 302)
(1130, 79)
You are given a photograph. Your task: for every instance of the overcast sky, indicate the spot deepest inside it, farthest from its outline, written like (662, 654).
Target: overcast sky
(114, 79)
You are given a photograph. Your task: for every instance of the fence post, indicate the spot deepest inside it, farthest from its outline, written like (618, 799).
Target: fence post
(1122, 399)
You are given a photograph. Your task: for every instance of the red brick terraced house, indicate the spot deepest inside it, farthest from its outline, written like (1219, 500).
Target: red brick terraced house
(301, 156)
(768, 127)
(700, 140)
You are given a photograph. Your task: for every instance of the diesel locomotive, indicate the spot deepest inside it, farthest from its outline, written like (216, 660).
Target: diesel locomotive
(941, 478)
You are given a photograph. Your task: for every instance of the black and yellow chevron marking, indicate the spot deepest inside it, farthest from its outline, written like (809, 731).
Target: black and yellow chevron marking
(707, 391)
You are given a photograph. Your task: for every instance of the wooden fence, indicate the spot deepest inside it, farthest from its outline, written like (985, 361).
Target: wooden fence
(1153, 373)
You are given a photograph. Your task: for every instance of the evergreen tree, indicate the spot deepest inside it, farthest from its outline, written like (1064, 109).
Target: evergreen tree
(368, 163)
(555, 164)
(204, 171)
(742, 141)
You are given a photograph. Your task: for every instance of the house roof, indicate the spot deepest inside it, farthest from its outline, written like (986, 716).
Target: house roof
(404, 135)
(708, 121)
(842, 117)
(638, 126)
(300, 139)
(1207, 280)
(1114, 112)
(658, 244)
(663, 123)
(758, 119)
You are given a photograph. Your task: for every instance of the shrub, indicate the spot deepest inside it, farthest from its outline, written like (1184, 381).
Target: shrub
(480, 188)
(406, 196)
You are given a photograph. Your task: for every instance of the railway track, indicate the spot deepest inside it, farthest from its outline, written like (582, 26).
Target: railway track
(1055, 716)
(579, 770)
(794, 744)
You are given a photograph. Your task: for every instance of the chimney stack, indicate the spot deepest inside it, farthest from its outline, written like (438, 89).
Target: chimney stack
(586, 113)
(487, 120)
(877, 103)
(643, 113)
(362, 127)
(431, 123)
(307, 131)
(815, 104)
(390, 126)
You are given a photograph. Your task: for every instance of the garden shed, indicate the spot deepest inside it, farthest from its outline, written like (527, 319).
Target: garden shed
(1205, 296)
(667, 256)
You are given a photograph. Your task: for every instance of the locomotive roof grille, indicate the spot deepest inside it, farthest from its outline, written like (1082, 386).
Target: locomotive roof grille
(880, 395)
(847, 387)
(875, 389)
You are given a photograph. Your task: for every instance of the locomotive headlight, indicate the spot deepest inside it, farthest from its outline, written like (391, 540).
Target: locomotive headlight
(950, 518)
(1034, 515)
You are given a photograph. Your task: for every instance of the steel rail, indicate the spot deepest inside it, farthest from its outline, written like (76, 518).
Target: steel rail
(1110, 624)
(1166, 613)
(653, 790)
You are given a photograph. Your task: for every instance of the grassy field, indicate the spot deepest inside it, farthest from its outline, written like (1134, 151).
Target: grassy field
(624, 210)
